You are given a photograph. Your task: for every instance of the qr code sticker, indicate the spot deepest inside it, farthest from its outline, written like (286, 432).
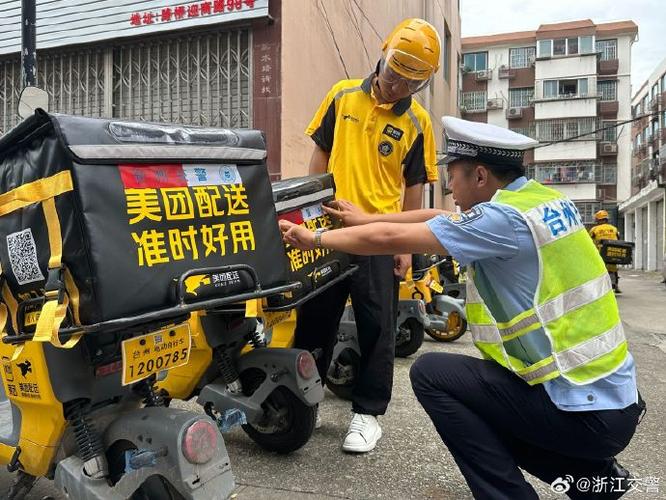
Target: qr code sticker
(23, 257)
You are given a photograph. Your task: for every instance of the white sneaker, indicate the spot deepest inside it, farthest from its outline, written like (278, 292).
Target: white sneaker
(363, 434)
(317, 418)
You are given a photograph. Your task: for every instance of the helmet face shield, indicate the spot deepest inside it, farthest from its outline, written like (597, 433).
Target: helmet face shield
(395, 71)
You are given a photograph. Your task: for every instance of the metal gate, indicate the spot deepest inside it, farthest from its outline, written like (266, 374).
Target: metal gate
(191, 78)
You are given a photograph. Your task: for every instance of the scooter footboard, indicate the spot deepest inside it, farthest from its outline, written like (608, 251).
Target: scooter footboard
(413, 308)
(281, 369)
(161, 431)
(446, 304)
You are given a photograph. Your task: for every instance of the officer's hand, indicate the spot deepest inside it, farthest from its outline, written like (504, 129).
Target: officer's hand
(347, 212)
(297, 236)
(402, 264)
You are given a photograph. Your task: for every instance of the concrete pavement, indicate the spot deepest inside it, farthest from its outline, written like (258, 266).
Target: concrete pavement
(410, 461)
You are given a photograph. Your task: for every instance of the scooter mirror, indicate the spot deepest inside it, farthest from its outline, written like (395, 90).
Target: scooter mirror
(31, 99)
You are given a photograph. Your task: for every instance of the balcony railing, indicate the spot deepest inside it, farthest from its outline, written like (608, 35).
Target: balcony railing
(655, 103)
(505, 72)
(575, 174)
(645, 172)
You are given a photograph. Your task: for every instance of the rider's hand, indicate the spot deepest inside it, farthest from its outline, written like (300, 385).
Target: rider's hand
(347, 212)
(297, 236)
(402, 264)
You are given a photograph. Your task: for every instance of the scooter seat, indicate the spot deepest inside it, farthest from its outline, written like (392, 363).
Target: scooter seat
(10, 419)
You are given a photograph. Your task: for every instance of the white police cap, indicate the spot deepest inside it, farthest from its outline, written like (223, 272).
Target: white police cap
(465, 140)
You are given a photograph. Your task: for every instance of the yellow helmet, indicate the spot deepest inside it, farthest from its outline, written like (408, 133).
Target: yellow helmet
(601, 215)
(413, 49)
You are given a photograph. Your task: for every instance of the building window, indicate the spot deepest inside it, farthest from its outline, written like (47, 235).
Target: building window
(560, 47)
(545, 48)
(587, 209)
(521, 57)
(520, 98)
(655, 90)
(663, 82)
(529, 131)
(566, 129)
(572, 46)
(608, 131)
(474, 101)
(607, 90)
(608, 49)
(606, 174)
(566, 46)
(558, 89)
(477, 61)
(586, 44)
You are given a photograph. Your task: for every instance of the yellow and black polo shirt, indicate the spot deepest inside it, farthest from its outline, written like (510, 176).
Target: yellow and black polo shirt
(375, 149)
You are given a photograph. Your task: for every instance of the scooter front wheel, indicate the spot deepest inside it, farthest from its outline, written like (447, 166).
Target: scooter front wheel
(456, 326)
(286, 424)
(409, 338)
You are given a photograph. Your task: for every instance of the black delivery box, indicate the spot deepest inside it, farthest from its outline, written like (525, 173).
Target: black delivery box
(300, 201)
(617, 251)
(133, 206)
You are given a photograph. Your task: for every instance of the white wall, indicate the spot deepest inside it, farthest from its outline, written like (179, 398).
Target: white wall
(576, 150)
(624, 114)
(498, 88)
(578, 191)
(564, 108)
(565, 67)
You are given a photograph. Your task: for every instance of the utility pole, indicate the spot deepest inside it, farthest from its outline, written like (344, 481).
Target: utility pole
(28, 42)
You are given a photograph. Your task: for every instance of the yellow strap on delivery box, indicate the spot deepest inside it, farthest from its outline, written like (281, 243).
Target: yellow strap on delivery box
(34, 192)
(53, 311)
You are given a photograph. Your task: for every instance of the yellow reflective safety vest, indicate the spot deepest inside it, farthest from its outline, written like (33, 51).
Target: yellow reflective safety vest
(574, 305)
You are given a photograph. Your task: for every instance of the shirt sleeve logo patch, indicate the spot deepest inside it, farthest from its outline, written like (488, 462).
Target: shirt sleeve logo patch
(385, 148)
(466, 217)
(393, 132)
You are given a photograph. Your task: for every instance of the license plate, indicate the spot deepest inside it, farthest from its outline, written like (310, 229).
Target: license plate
(151, 353)
(436, 286)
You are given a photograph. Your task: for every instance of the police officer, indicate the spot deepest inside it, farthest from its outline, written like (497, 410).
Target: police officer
(379, 145)
(602, 230)
(555, 393)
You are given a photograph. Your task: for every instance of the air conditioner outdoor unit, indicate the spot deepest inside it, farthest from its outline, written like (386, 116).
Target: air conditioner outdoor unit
(514, 112)
(485, 74)
(495, 103)
(532, 60)
(609, 147)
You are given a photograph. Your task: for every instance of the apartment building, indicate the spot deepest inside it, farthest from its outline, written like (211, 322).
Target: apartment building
(644, 211)
(566, 85)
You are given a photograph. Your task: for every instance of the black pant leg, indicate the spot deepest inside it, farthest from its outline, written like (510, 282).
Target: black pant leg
(492, 422)
(486, 463)
(317, 323)
(373, 293)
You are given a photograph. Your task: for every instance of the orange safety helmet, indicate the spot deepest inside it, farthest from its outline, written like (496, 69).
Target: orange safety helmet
(601, 215)
(412, 50)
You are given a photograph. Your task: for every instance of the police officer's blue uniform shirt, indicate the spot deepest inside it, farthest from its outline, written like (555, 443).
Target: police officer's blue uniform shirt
(496, 241)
